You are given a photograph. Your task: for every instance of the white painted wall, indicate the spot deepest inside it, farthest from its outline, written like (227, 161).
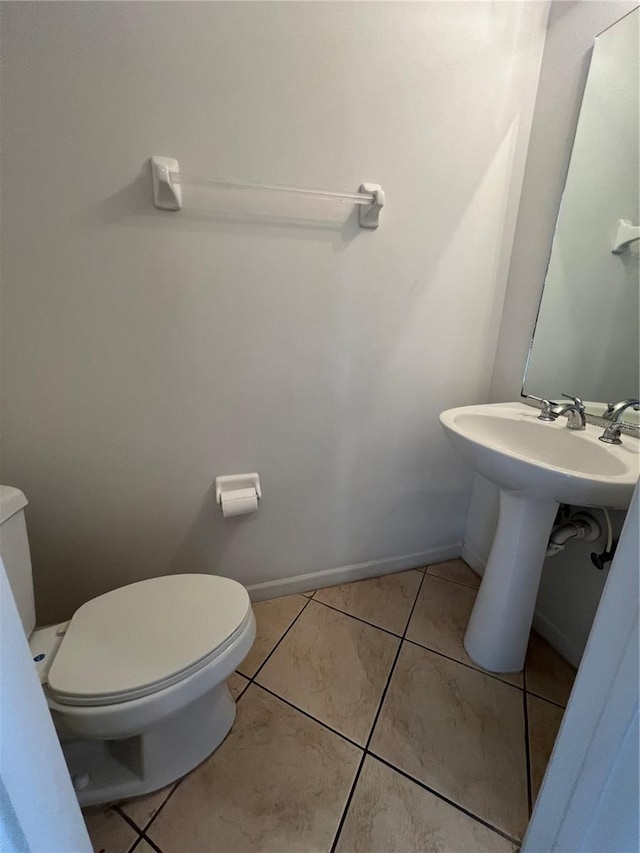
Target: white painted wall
(146, 352)
(571, 586)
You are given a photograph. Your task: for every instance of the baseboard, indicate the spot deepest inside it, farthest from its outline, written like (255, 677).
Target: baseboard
(473, 559)
(565, 647)
(553, 635)
(346, 574)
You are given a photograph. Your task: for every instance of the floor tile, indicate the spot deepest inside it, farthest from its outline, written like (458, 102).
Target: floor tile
(143, 846)
(108, 831)
(391, 814)
(385, 601)
(310, 593)
(142, 809)
(440, 619)
(236, 684)
(455, 570)
(458, 731)
(334, 668)
(272, 618)
(544, 723)
(548, 675)
(279, 783)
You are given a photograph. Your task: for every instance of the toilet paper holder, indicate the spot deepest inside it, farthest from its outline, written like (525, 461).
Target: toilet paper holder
(233, 482)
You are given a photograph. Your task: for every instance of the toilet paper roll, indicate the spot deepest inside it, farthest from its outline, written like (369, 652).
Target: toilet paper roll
(239, 502)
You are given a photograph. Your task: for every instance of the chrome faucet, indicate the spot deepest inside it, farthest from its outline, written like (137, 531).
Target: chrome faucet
(614, 413)
(577, 419)
(551, 411)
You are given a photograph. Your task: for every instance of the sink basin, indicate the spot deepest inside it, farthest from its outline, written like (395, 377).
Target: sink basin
(536, 465)
(507, 444)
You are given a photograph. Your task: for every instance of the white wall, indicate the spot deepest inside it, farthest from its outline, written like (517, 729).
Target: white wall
(146, 352)
(571, 586)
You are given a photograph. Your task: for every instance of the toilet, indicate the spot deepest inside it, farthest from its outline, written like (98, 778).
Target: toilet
(136, 679)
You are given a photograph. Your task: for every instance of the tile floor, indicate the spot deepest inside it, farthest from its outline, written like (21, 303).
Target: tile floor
(363, 727)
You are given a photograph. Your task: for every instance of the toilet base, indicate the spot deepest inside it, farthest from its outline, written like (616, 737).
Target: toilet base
(105, 771)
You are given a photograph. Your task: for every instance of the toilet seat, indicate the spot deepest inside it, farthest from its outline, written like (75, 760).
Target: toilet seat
(144, 637)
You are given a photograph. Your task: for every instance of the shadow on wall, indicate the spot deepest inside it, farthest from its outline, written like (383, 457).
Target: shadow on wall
(207, 541)
(317, 221)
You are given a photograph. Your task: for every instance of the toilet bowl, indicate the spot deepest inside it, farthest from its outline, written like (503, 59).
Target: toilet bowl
(136, 680)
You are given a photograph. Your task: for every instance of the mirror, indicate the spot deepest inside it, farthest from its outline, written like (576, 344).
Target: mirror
(587, 339)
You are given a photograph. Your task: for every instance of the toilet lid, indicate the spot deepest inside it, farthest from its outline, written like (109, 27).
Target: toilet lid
(143, 637)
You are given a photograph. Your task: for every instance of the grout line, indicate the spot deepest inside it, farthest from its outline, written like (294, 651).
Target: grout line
(158, 810)
(544, 699)
(345, 810)
(246, 679)
(527, 747)
(451, 580)
(135, 844)
(347, 805)
(116, 808)
(493, 675)
(164, 803)
(423, 571)
(177, 784)
(395, 660)
(445, 799)
(262, 665)
(357, 618)
(384, 696)
(179, 781)
(415, 601)
(150, 842)
(310, 716)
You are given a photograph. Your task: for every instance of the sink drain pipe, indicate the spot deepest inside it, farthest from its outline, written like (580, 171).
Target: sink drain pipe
(581, 526)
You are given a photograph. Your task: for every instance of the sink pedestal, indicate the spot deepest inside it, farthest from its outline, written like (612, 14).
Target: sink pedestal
(498, 631)
(537, 466)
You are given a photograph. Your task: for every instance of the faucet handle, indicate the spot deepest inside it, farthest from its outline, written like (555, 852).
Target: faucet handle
(576, 400)
(611, 435)
(545, 414)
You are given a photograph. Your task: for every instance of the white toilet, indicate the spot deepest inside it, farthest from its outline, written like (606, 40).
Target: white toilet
(136, 680)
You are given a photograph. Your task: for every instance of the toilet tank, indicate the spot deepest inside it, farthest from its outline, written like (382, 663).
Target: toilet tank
(14, 550)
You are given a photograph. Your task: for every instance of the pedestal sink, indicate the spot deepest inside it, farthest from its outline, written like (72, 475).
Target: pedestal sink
(536, 466)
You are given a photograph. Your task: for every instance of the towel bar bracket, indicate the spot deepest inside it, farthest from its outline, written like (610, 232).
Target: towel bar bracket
(625, 235)
(370, 214)
(166, 194)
